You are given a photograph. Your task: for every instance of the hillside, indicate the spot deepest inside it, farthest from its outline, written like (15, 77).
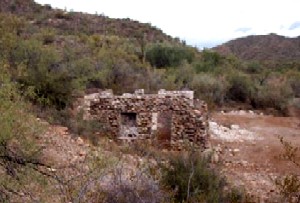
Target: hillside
(77, 22)
(50, 152)
(270, 47)
(60, 54)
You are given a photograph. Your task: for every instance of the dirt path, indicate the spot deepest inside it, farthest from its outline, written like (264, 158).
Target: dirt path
(251, 148)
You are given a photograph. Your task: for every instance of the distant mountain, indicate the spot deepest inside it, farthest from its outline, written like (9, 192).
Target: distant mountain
(72, 22)
(263, 48)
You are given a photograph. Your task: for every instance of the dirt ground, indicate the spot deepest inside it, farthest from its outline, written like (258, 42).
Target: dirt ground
(250, 150)
(248, 143)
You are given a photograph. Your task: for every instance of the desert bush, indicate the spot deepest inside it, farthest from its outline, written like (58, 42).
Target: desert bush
(125, 180)
(139, 187)
(20, 161)
(10, 27)
(193, 180)
(169, 80)
(209, 88)
(118, 70)
(240, 87)
(47, 36)
(183, 75)
(208, 62)
(162, 56)
(289, 184)
(272, 96)
(294, 82)
(254, 67)
(51, 82)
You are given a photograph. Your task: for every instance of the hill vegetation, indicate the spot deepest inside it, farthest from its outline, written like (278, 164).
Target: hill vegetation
(263, 48)
(61, 54)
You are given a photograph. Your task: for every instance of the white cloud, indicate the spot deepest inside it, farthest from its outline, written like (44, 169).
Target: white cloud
(199, 22)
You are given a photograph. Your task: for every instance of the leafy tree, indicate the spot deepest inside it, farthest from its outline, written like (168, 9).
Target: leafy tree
(162, 56)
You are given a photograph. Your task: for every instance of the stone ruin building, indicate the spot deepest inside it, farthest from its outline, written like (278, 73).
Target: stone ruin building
(169, 118)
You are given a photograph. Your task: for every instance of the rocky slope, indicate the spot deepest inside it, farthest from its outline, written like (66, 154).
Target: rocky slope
(270, 47)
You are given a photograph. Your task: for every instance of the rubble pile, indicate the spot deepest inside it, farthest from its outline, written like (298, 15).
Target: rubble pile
(231, 134)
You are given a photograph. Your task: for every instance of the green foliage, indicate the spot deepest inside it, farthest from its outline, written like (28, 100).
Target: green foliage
(183, 75)
(162, 56)
(208, 62)
(60, 54)
(47, 36)
(209, 88)
(272, 95)
(51, 82)
(254, 67)
(294, 82)
(240, 87)
(19, 154)
(10, 27)
(193, 180)
(16, 122)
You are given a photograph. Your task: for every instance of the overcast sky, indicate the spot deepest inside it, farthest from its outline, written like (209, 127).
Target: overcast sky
(201, 23)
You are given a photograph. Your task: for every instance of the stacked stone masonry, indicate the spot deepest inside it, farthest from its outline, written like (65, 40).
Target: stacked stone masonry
(170, 118)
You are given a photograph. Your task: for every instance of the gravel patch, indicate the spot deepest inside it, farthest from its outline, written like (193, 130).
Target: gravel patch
(231, 134)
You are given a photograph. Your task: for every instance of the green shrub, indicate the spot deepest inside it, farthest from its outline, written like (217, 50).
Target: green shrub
(183, 75)
(240, 87)
(19, 153)
(208, 62)
(193, 180)
(162, 56)
(10, 27)
(51, 82)
(209, 88)
(294, 82)
(254, 67)
(275, 96)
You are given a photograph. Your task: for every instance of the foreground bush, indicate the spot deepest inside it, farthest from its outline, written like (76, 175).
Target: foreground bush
(192, 179)
(20, 162)
(289, 184)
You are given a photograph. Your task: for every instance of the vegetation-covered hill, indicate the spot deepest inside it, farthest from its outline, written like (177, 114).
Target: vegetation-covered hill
(59, 54)
(76, 22)
(270, 48)
(50, 57)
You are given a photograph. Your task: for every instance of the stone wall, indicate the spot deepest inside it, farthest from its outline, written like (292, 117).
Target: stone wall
(171, 118)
